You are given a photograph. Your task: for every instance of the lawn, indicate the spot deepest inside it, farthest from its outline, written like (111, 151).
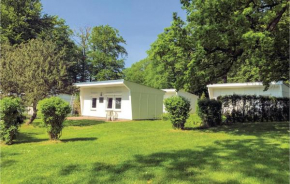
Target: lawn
(149, 152)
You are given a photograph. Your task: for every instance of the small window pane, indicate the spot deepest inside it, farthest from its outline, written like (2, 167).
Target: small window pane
(118, 103)
(110, 103)
(94, 102)
(101, 99)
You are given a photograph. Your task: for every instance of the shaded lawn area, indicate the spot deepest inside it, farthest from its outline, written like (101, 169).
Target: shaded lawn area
(149, 152)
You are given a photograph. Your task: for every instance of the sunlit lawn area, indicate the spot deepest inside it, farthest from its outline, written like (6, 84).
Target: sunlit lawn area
(149, 152)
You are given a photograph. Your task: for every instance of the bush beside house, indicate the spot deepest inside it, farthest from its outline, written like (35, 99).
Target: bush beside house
(210, 112)
(252, 108)
(178, 109)
(11, 116)
(53, 112)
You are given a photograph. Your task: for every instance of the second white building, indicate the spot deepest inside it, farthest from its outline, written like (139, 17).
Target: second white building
(190, 97)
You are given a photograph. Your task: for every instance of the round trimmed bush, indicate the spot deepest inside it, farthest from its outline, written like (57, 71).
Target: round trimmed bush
(53, 112)
(178, 109)
(11, 116)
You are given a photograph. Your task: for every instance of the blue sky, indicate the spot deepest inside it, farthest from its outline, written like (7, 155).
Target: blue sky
(139, 21)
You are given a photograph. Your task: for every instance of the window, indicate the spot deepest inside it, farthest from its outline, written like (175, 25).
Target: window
(110, 103)
(101, 99)
(94, 103)
(118, 103)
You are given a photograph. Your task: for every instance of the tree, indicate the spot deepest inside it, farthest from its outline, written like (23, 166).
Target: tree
(145, 72)
(106, 53)
(36, 69)
(61, 34)
(171, 53)
(234, 34)
(84, 65)
(233, 40)
(137, 72)
(22, 20)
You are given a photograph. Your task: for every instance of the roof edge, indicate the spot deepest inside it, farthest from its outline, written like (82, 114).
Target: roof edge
(99, 83)
(248, 84)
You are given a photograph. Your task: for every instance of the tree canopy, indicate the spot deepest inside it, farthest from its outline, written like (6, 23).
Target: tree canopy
(232, 35)
(35, 69)
(107, 53)
(22, 21)
(221, 41)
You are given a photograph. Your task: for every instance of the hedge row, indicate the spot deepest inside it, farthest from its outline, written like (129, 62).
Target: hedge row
(252, 108)
(210, 112)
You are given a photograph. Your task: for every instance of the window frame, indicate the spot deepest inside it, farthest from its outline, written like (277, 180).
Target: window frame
(116, 103)
(113, 102)
(94, 108)
(107, 103)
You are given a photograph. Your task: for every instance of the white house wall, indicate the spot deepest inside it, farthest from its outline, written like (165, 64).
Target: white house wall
(285, 90)
(168, 94)
(191, 97)
(272, 91)
(147, 103)
(94, 92)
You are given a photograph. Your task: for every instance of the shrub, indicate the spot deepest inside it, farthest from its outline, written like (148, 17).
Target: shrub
(53, 112)
(11, 117)
(210, 112)
(251, 108)
(178, 109)
(165, 116)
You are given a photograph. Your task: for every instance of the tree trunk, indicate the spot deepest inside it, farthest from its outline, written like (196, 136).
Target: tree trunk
(225, 79)
(33, 115)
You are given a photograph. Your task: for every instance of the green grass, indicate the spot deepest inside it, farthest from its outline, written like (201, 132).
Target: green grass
(149, 152)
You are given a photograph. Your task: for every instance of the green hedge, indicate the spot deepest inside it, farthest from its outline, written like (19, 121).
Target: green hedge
(252, 108)
(53, 112)
(178, 109)
(210, 112)
(11, 116)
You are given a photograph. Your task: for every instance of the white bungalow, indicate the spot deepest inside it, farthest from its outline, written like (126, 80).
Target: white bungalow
(276, 89)
(191, 97)
(120, 99)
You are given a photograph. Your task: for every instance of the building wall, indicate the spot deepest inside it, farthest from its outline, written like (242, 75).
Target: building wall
(285, 91)
(147, 103)
(87, 94)
(273, 90)
(168, 95)
(191, 97)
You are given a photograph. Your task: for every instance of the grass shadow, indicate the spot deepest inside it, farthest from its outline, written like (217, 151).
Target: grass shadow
(227, 161)
(27, 138)
(265, 129)
(79, 139)
(83, 122)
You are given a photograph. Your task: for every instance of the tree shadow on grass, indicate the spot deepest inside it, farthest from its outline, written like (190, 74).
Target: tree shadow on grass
(228, 161)
(83, 122)
(30, 138)
(27, 138)
(79, 139)
(265, 129)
